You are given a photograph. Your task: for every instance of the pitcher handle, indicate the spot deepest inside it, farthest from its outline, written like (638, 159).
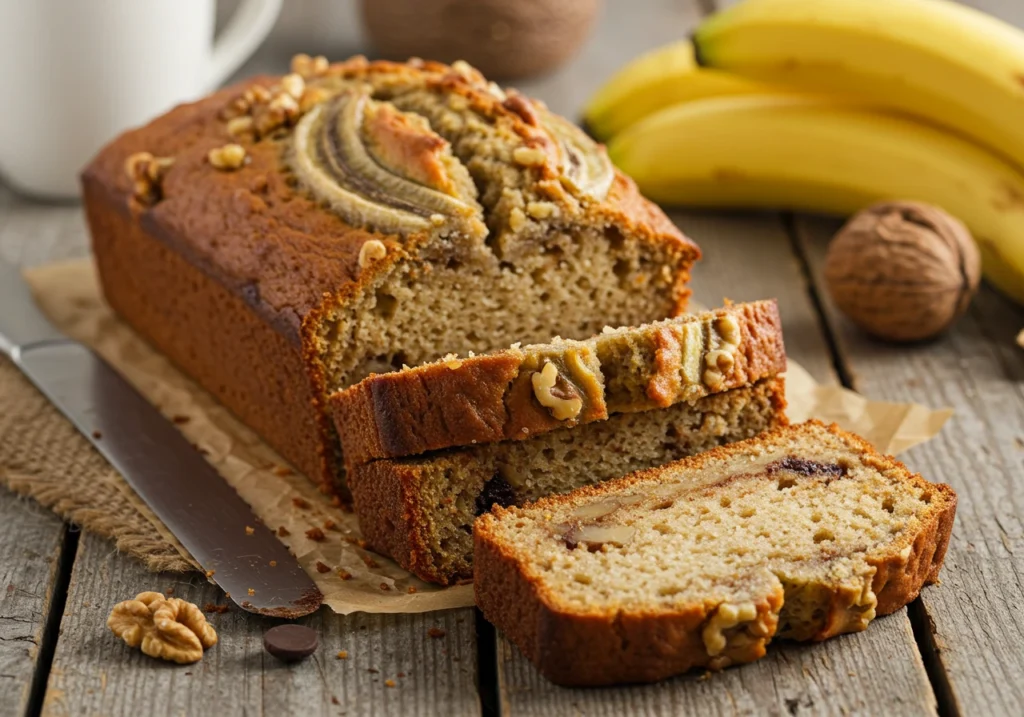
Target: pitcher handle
(248, 27)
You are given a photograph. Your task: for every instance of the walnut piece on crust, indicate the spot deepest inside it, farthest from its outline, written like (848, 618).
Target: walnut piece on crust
(147, 174)
(166, 628)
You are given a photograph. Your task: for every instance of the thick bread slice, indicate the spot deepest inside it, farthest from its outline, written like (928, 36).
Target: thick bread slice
(503, 396)
(420, 511)
(802, 533)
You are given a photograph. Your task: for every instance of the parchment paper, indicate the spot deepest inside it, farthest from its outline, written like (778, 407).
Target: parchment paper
(353, 579)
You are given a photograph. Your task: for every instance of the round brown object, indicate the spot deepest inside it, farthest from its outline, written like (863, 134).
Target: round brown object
(903, 271)
(502, 39)
(291, 642)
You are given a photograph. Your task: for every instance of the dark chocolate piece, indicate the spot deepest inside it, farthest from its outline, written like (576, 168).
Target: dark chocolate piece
(290, 643)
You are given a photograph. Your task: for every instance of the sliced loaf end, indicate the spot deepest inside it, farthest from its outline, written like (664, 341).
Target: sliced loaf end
(803, 533)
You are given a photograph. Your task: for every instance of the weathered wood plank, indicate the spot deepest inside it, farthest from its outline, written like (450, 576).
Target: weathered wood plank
(32, 540)
(745, 257)
(30, 550)
(849, 675)
(978, 370)
(94, 673)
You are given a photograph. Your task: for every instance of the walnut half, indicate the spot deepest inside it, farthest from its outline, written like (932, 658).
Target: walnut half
(167, 628)
(147, 174)
(563, 403)
(737, 633)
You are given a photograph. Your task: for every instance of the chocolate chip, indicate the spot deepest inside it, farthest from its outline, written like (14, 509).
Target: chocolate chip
(496, 490)
(290, 643)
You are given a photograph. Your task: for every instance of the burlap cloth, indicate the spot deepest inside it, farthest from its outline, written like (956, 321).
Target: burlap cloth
(44, 457)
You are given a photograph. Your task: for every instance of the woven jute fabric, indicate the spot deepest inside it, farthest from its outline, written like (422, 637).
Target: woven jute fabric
(43, 457)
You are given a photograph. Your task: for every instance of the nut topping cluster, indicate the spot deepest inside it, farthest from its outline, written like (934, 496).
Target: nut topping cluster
(260, 110)
(166, 628)
(147, 174)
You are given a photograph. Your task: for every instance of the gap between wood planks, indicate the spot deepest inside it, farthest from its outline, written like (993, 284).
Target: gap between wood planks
(51, 631)
(920, 622)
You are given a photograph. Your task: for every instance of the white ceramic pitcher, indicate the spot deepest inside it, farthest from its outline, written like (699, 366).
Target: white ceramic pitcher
(75, 73)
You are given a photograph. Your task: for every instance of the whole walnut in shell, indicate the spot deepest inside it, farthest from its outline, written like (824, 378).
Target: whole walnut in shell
(903, 271)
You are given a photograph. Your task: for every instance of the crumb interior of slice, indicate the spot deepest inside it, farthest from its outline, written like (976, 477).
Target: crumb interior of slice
(572, 286)
(513, 472)
(723, 532)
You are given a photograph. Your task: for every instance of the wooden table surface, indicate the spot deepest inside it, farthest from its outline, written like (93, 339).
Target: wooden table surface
(958, 649)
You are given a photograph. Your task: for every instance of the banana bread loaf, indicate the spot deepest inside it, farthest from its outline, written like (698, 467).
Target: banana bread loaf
(803, 533)
(289, 236)
(520, 392)
(420, 510)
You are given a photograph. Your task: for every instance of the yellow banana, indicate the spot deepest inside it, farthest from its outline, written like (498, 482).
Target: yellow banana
(936, 59)
(805, 153)
(659, 79)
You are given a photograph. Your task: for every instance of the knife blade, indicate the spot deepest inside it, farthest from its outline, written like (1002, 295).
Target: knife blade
(207, 515)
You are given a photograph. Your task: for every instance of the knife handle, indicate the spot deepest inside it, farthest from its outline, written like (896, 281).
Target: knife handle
(21, 321)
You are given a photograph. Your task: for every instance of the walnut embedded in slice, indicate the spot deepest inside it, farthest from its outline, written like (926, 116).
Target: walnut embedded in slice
(719, 361)
(559, 397)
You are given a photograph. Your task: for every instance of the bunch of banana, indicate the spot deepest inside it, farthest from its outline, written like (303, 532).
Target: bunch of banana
(829, 106)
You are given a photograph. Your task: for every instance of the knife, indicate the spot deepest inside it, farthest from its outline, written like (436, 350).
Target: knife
(210, 519)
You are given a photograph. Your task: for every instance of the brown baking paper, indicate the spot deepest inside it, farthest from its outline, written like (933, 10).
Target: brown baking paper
(70, 295)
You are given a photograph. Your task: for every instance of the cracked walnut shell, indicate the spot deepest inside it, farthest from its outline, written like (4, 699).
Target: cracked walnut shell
(903, 271)
(167, 628)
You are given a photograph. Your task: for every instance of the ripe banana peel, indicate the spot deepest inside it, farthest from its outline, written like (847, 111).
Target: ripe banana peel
(811, 154)
(659, 79)
(935, 59)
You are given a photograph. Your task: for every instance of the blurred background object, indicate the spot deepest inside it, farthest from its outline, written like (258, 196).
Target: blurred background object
(903, 271)
(504, 40)
(78, 73)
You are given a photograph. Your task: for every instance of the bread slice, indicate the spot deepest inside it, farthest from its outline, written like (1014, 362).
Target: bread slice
(420, 511)
(802, 533)
(519, 393)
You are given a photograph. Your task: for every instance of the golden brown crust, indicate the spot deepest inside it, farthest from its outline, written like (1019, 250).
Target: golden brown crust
(253, 235)
(484, 399)
(595, 648)
(138, 274)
